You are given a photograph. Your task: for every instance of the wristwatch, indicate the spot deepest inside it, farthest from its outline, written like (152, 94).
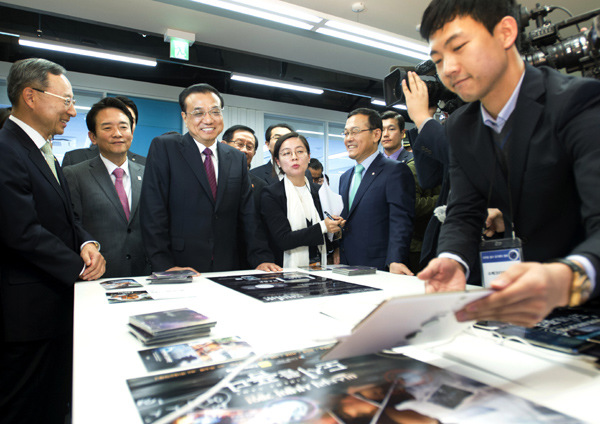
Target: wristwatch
(581, 286)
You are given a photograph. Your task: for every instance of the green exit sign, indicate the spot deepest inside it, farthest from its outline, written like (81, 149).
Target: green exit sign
(180, 49)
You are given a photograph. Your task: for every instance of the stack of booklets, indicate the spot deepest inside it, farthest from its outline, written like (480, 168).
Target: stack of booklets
(354, 270)
(169, 326)
(171, 277)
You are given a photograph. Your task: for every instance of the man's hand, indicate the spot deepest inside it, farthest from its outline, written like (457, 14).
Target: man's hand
(334, 225)
(268, 266)
(443, 274)
(400, 268)
(184, 268)
(417, 99)
(494, 222)
(525, 294)
(95, 264)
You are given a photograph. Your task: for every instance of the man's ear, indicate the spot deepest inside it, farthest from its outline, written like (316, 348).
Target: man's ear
(508, 30)
(28, 97)
(92, 137)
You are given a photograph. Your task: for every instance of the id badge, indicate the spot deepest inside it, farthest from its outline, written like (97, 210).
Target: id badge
(497, 256)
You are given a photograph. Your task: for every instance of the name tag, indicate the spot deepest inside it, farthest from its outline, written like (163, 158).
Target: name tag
(497, 256)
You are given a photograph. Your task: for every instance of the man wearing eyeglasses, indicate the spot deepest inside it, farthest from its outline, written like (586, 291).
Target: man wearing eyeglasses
(43, 250)
(196, 206)
(379, 199)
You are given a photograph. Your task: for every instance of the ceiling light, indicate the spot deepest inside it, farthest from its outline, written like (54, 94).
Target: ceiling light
(273, 83)
(85, 108)
(310, 132)
(377, 36)
(282, 10)
(382, 103)
(256, 13)
(91, 52)
(372, 43)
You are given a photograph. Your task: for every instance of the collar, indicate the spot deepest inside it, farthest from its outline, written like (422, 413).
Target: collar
(368, 161)
(212, 147)
(394, 156)
(35, 136)
(498, 124)
(110, 166)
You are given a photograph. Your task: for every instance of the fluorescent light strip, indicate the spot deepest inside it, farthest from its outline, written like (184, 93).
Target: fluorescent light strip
(382, 103)
(371, 43)
(256, 13)
(86, 108)
(287, 11)
(272, 83)
(59, 47)
(377, 36)
(310, 132)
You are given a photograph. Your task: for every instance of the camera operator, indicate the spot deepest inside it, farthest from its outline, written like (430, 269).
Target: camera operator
(430, 149)
(528, 145)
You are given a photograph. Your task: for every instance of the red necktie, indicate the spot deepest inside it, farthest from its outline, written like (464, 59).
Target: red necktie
(210, 172)
(118, 173)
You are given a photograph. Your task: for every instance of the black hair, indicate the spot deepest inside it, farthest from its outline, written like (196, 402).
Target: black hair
(390, 114)
(315, 164)
(373, 115)
(129, 103)
(230, 132)
(198, 88)
(441, 12)
(272, 127)
(286, 137)
(4, 114)
(105, 103)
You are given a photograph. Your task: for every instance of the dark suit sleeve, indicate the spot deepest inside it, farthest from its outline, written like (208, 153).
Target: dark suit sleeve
(430, 150)
(74, 190)
(400, 194)
(273, 210)
(22, 230)
(154, 206)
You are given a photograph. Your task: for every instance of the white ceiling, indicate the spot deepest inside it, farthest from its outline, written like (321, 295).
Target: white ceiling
(155, 16)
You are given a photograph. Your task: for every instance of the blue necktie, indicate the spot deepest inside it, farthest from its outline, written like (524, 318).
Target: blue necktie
(358, 169)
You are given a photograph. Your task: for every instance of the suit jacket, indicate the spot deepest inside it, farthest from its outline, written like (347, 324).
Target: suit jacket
(258, 185)
(76, 156)
(404, 156)
(553, 167)
(97, 205)
(266, 173)
(379, 224)
(182, 225)
(280, 234)
(39, 243)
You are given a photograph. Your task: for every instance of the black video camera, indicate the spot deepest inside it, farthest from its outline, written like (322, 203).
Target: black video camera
(545, 46)
(439, 95)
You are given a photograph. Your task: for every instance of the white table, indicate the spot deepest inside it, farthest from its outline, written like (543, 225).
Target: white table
(105, 354)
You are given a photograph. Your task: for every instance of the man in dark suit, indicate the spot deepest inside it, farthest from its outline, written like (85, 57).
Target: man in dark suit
(197, 193)
(425, 198)
(269, 172)
(379, 200)
(43, 250)
(106, 190)
(73, 157)
(528, 145)
(392, 136)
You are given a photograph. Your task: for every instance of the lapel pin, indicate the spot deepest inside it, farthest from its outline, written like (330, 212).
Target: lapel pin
(139, 178)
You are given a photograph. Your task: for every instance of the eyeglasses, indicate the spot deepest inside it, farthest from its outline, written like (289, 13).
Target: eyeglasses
(241, 145)
(354, 132)
(287, 154)
(68, 100)
(215, 112)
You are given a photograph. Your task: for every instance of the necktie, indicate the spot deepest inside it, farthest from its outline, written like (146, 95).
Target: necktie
(118, 173)
(47, 151)
(358, 169)
(210, 172)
